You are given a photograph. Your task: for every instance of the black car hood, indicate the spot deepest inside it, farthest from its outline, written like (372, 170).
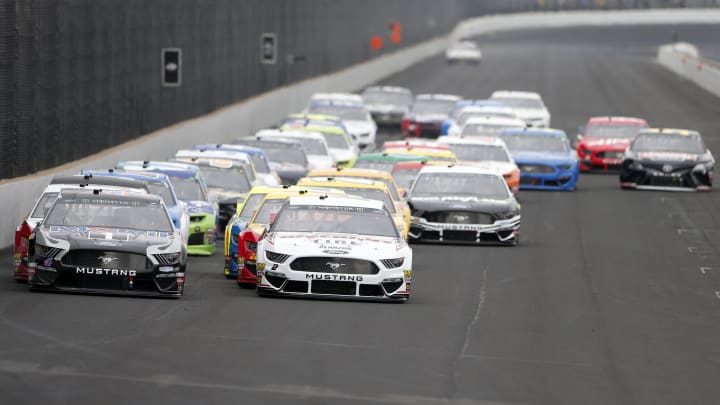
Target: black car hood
(114, 239)
(461, 203)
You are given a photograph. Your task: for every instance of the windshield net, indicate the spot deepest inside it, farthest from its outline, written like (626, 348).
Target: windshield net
(352, 220)
(267, 210)
(260, 164)
(110, 214)
(460, 184)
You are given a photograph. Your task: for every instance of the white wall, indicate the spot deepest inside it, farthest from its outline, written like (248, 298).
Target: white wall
(17, 195)
(685, 60)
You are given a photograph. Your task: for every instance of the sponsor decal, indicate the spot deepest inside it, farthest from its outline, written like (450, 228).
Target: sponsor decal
(105, 260)
(334, 277)
(48, 262)
(107, 232)
(408, 274)
(105, 272)
(106, 243)
(334, 266)
(407, 287)
(335, 252)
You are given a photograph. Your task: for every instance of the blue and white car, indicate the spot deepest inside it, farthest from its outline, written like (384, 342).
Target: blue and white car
(545, 158)
(191, 189)
(158, 184)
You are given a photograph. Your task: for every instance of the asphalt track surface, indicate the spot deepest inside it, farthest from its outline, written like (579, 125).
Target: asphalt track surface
(609, 299)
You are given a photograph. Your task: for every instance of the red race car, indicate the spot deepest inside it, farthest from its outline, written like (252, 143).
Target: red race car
(601, 143)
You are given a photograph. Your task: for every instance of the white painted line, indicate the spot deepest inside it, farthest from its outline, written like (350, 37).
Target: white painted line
(717, 294)
(704, 270)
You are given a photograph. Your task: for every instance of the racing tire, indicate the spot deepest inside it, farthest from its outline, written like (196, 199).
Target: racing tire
(246, 286)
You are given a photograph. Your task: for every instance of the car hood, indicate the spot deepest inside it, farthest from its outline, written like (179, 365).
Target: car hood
(200, 207)
(605, 143)
(334, 244)
(668, 156)
(461, 203)
(321, 161)
(111, 239)
(544, 157)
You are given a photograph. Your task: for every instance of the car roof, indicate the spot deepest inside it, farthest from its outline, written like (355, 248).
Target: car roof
(389, 89)
(333, 201)
(290, 133)
(535, 131)
(338, 104)
(516, 94)
(113, 195)
(89, 179)
(459, 169)
(439, 97)
(670, 131)
(214, 153)
(417, 164)
(472, 140)
(250, 150)
(616, 120)
(426, 152)
(495, 120)
(212, 162)
(183, 170)
(414, 143)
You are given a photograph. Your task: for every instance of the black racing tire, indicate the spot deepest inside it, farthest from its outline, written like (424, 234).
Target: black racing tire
(246, 286)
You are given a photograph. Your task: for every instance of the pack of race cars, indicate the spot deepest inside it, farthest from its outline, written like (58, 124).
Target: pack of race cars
(316, 208)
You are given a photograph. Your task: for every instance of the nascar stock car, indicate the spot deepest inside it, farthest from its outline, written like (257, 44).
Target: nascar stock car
(287, 157)
(601, 143)
(334, 247)
(461, 204)
(259, 159)
(191, 189)
(667, 159)
(528, 106)
(384, 161)
(342, 148)
(427, 114)
(45, 201)
(387, 104)
(459, 106)
(463, 51)
(490, 152)
(488, 126)
(357, 120)
(544, 157)
(314, 144)
(452, 126)
(112, 242)
(238, 159)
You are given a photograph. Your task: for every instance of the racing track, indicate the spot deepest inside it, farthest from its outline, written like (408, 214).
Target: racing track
(604, 301)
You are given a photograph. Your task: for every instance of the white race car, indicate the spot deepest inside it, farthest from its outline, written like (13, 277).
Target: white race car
(463, 51)
(489, 126)
(478, 111)
(528, 105)
(314, 143)
(334, 247)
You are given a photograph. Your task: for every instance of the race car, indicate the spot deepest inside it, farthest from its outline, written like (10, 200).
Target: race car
(109, 242)
(45, 201)
(357, 120)
(369, 174)
(160, 185)
(336, 97)
(461, 105)
(259, 159)
(314, 144)
(463, 51)
(342, 148)
(460, 204)
(427, 114)
(488, 152)
(601, 143)
(544, 157)
(262, 216)
(443, 155)
(387, 104)
(417, 143)
(475, 111)
(488, 126)
(528, 106)
(334, 247)
(287, 157)
(238, 159)
(384, 161)
(191, 189)
(667, 159)
(372, 189)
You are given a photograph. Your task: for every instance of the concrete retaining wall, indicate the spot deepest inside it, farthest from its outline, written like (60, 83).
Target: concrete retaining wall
(685, 60)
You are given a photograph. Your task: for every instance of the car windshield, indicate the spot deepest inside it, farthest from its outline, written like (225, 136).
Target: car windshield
(672, 143)
(535, 143)
(351, 220)
(483, 129)
(374, 164)
(43, 205)
(465, 116)
(405, 177)
(460, 184)
(478, 153)
(311, 146)
(432, 107)
(391, 187)
(188, 188)
(233, 179)
(345, 113)
(521, 103)
(285, 153)
(267, 210)
(251, 204)
(612, 131)
(333, 140)
(260, 164)
(387, 97)
(161, 189)
(109, 213)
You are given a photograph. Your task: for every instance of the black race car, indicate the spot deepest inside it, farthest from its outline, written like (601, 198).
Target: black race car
(667, 159)
(462, 205)
(107, 242)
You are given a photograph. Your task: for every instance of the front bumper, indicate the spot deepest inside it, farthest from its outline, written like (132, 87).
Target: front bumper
(387, 285)
(557, 179)
(600, 160)
(504, 231)
(686, 178)
(203, 233)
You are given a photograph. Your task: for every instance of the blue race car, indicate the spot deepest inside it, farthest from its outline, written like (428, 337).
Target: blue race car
(158, 184)
(545, 158)
(189, 184)
(459, 105)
